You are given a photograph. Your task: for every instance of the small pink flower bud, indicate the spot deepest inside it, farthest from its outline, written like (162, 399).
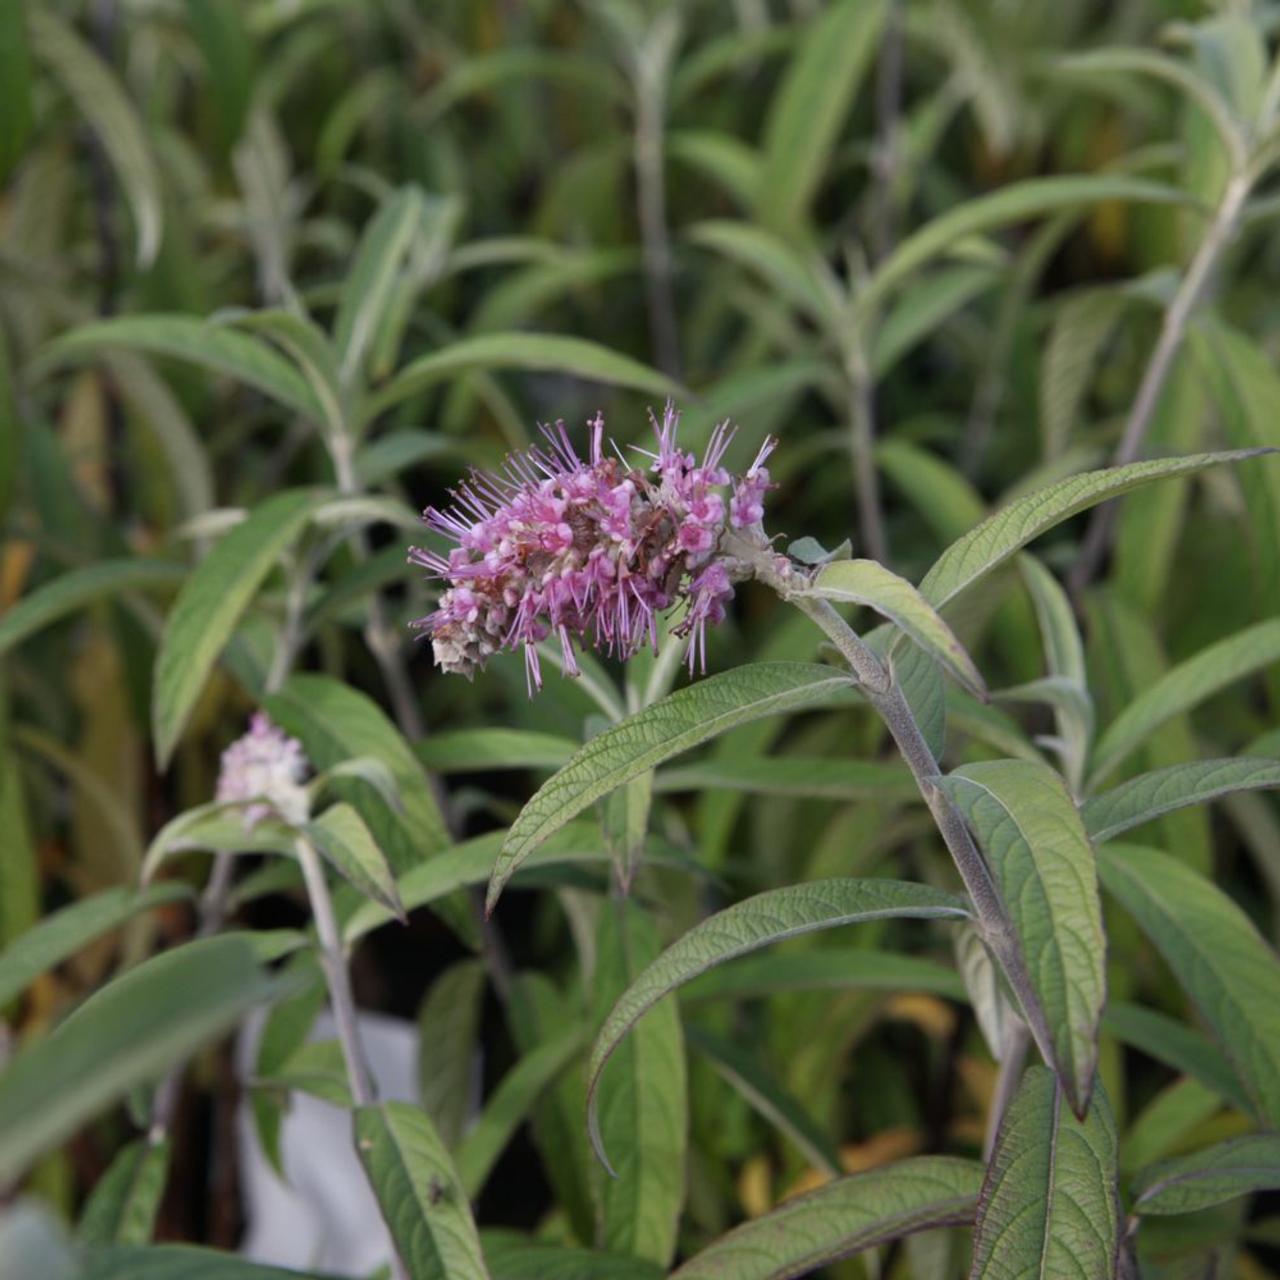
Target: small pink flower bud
(265, 767)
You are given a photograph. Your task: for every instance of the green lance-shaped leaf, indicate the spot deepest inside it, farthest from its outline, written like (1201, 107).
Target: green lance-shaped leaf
(923, 308)
(811, 105)
(672, 725)
(516, 1094)
(800, 777)
(1240, 377)
(102, 100)
(1043, 864)
(828, 969)
(1111, 62)
(336, 724)
(470, 863)
(214, 828)
(343, 839)
(79, 587)
(221, 30)
(167, 1261)
(308, 346)
(1049, 1203)
(1215, 1175)
(1009, 529)
(449, 1047)
(1169, 1122)
(215, 347)
(124, 1035)
(768, 1097)
(1186, 686)
(787, 270)
(541, 352)
(122, 1206)
(16, 114)
(1226, 968)
(1012, 203)
(63, 933)
(374, 272)
(209, 606)
(867, 582)
(484, 750)
(842, 1218)
(512, 1255)
(643, 1099)
(1064, 663)
(1177, 1045)
(1151, 794)
(747, 926)
(419, 1193)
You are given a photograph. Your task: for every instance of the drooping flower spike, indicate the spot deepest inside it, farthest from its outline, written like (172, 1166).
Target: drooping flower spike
(589, 552)
(264, 770)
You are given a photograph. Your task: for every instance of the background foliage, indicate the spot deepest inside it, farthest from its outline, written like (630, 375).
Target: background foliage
(273, 273)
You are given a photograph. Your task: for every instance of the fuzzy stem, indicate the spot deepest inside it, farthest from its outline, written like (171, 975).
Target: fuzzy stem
(1217, 236)
(333, 962)
(886, 697)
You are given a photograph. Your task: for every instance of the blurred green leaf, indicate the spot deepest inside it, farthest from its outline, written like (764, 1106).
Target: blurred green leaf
(768, 1097)
(62, 933)
(449, 1050)
(1151, 794)
(220, 30)
(747, 926)
(209, 605)
(1122, 62)
(1219, 1173)
(1232, 976)
(541, 352)
(810, 106)
(481, 750)
(1015, 202)
(123, 1205)
(372, 277)
(335, 723)
(1177, 1045)
(825, 969)
(513, 1256)
(168, 1261)
(79, 587)
(126, 1034)
(342, 838)
(103, 102)
(215, 347)
(812, 777)
(1184, 687)
(842, 1218)
(642, 1100)
(509, 1105)
(16, 115)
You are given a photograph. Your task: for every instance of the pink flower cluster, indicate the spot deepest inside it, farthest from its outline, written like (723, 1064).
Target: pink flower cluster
(265, 767)
(588, 551)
